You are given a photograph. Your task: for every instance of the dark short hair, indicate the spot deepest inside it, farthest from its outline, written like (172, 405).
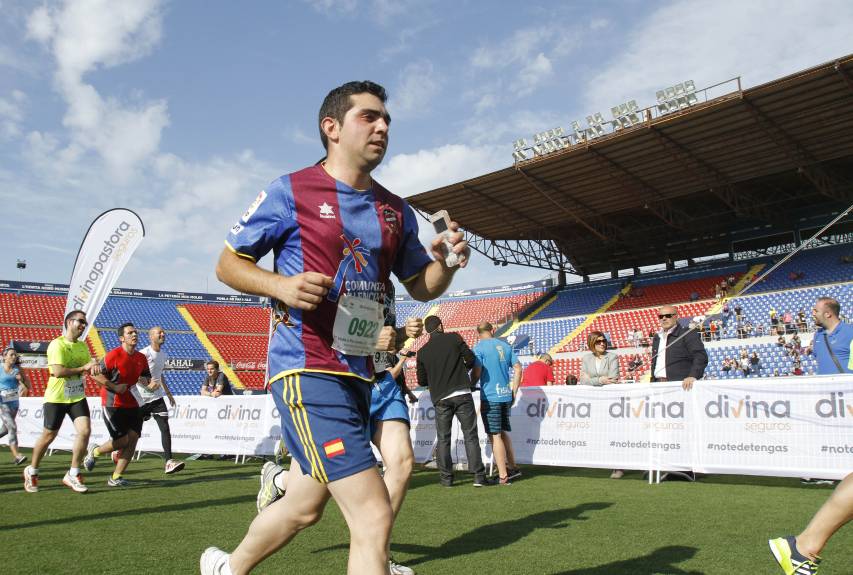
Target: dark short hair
(831, 304)
(337, 103)
(571, 379)
(212, 362)
(484, 326)
(71, 314)
(431, 323)
(120, 329)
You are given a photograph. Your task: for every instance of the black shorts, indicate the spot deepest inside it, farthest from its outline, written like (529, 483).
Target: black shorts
(156, 407)
(121, 420)
(54, 413)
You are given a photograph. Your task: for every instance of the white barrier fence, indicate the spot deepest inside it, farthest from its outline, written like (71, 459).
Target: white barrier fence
(779, 427)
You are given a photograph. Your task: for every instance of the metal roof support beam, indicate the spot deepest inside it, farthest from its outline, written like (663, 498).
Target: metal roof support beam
(543, 254)
(654, 201)
(809, 167)
(845, 75)
(596, 230)
(510, 210)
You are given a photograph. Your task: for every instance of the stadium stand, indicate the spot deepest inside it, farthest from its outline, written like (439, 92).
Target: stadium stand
(231, 318)
(544, 335)
(644, 293)
(574, 300)
(31, 309)
(144, 313)
(178, 345)
(824, 265)
(241, 347)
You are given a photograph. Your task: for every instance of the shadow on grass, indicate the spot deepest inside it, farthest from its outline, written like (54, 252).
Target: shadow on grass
(190, 505)
(659, 562)
(493, 536)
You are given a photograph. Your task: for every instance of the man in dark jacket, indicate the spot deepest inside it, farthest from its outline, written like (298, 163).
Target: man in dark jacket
(443, 365)
(677, 351)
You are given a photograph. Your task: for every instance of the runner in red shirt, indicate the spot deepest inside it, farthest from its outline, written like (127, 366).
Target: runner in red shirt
(539, 372)
(121, 369)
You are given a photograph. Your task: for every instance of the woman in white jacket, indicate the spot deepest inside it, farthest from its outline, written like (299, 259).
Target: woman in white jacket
(600, 368)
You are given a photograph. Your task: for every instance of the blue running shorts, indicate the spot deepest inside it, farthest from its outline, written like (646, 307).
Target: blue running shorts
(495, 416)
(324, 421)
(386, 402)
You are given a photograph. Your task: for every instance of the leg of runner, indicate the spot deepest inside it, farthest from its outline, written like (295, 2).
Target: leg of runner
(127, 448)
(395, 444)
(510, 452)
(499, 451)
(301, 507)
(42, 443)
(83, 427)
(837, 511)
(363, 501)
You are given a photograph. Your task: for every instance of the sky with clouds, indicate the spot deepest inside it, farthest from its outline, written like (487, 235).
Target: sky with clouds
(183, 111)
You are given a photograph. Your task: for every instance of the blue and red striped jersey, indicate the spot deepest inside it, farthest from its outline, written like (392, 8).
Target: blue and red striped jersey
(314, 223)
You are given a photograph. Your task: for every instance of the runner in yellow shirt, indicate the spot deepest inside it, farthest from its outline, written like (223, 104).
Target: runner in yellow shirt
(68, 360)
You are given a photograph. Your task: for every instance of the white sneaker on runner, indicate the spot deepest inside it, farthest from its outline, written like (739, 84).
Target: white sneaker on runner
(89, 460)
(395, 568)
(31, 480)
(214, 561)
(173, 466)
(75, 483)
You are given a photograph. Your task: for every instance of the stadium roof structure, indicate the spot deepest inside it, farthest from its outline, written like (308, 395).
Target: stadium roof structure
(743, 171)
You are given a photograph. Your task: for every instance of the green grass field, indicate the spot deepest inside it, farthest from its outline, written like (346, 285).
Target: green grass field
(553, 521)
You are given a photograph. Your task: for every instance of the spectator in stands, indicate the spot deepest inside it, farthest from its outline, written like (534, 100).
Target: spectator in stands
(833, 338)
(443, 365)
(780, 341)
(727, 364)
(801, 321)
(754, 360)
(13, 384)
(788, 321)
(760, 330)
(738, 313)
(215, 383)
(635, 363)
(677, 353)
(797, 368)
(598, 367)
(743, 363)
(731, 281)
(796, 343)
(539, 373)
(494, 359)
(68, 360)
(571, 379)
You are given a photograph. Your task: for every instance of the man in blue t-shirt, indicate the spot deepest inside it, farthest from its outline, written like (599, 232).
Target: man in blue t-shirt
(833, 338)
(801, 553)
(494, 358)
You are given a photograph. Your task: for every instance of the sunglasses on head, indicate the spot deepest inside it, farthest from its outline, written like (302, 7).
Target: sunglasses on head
(665, 315)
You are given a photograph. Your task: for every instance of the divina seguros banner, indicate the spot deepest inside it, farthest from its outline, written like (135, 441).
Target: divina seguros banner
(791, 427)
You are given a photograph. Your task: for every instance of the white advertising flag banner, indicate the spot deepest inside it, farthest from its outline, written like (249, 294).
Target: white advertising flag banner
(788, 427)
(110, 242)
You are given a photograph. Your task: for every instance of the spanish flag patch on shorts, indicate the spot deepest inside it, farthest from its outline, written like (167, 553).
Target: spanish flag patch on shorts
(334, 447)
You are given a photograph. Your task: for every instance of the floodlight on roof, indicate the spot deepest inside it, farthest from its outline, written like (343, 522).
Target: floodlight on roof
(558, 131)
(599, 119)
(632, 106)
(634, 118)
(576, 126)
(679, 89)
(661, 96)
(615, 111)
(689, 86)
(518, 156)
(692, 98)
(670, 93)
(538, 150)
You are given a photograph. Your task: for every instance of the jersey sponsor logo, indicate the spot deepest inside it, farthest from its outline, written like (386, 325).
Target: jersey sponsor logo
(390, 217)
(237, 228)
(254, 207)
(327, 212)
(334, 448)
(353, 256)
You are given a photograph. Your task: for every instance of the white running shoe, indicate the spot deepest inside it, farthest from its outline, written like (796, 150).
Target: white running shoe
(214, 561)
(31, 480)
(173, 466)
(395, 568)
(75, 483)
(89, 460)
(269, 492)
